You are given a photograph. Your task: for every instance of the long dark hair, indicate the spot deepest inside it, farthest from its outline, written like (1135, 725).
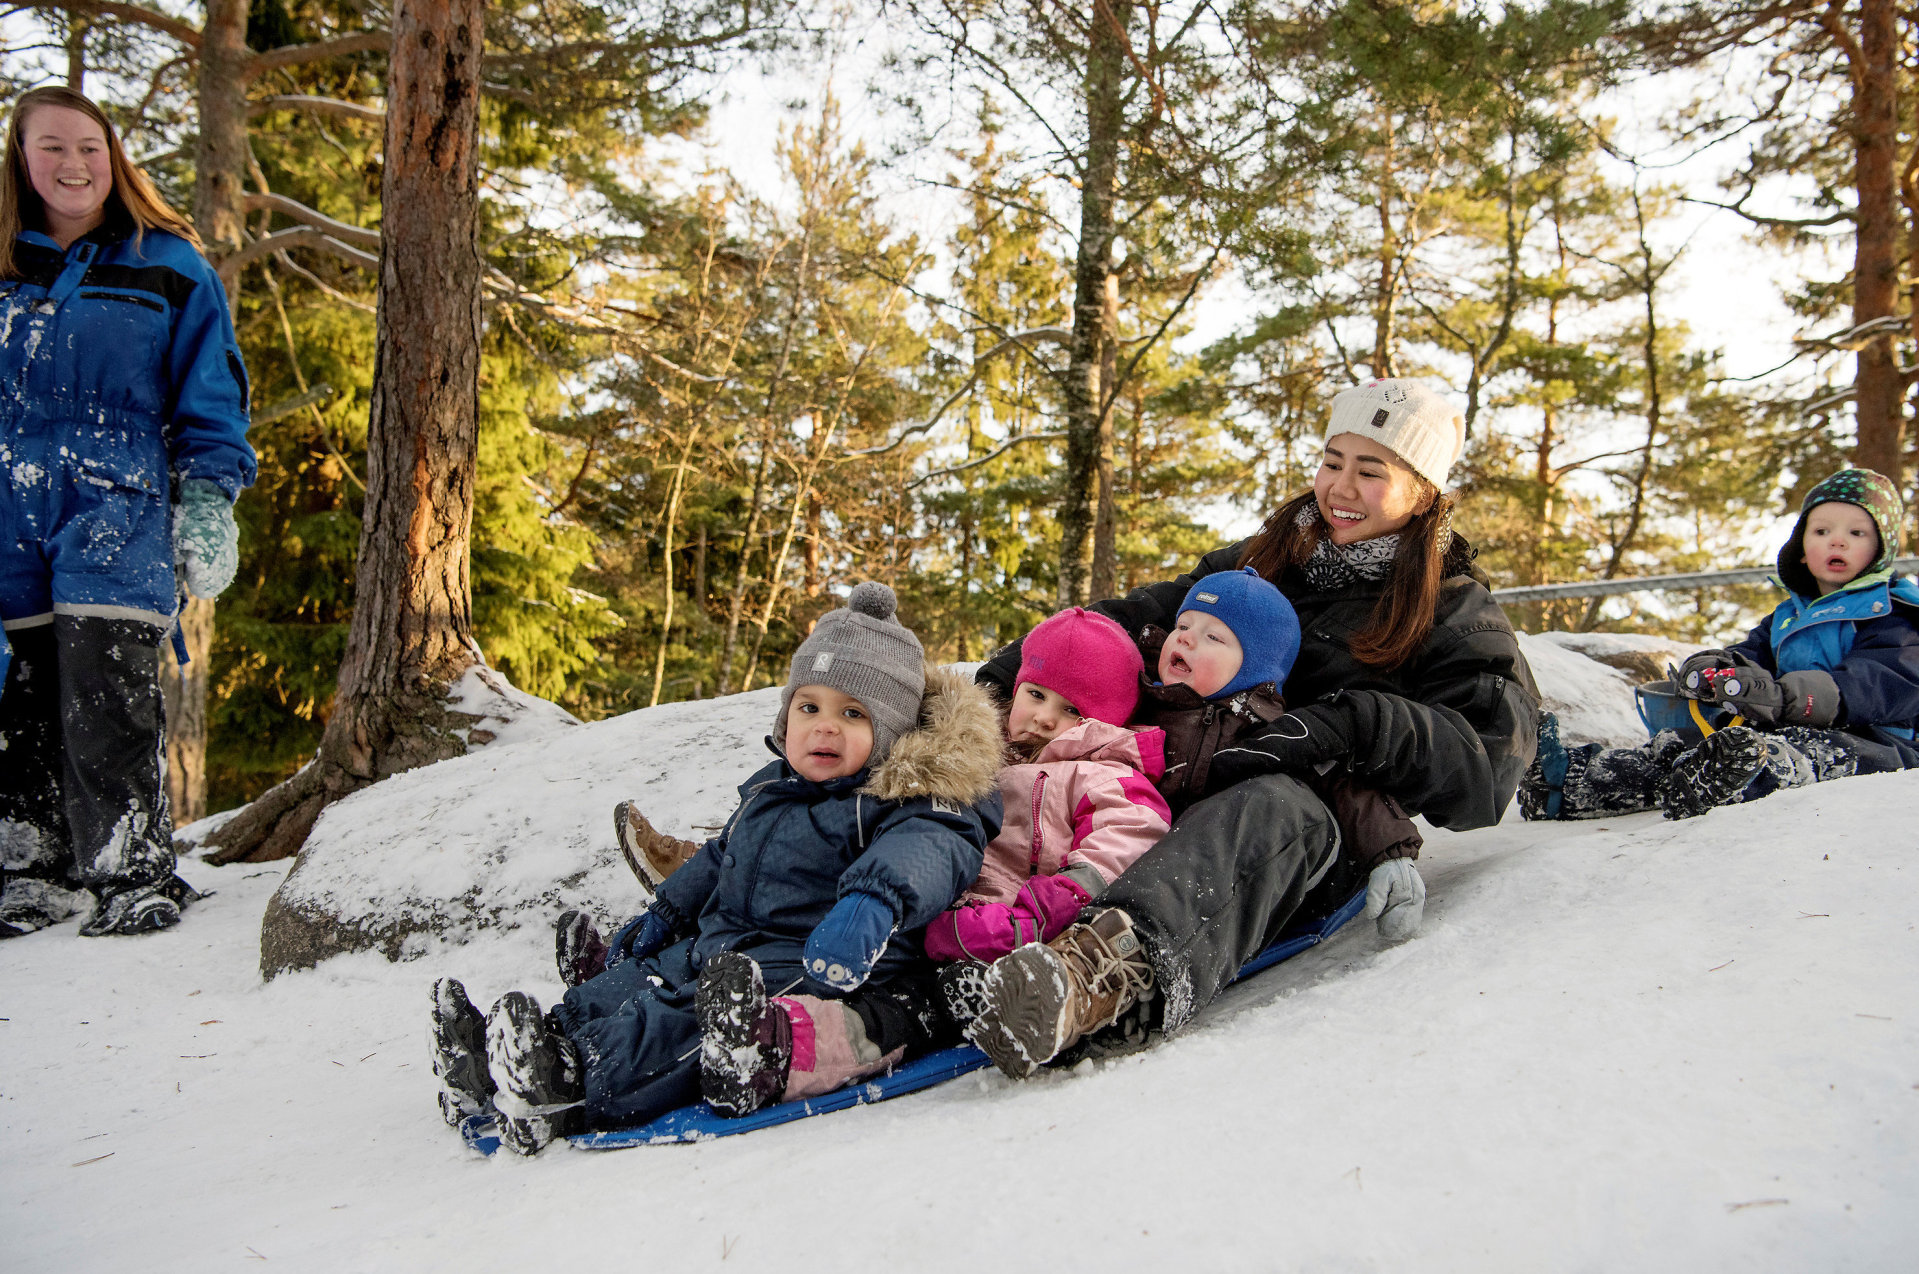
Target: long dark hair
(132, 199)
(1403, 617)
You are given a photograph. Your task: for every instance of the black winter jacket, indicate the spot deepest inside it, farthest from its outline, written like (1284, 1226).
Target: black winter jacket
(1448, 734)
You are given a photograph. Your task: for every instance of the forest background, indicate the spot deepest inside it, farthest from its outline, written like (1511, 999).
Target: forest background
(1163, 237)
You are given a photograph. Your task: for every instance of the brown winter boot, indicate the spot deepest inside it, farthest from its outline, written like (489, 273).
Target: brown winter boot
(1040, 999)
(652, 855)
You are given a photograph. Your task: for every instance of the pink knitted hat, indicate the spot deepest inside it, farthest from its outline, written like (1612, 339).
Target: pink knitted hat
(1088, 660)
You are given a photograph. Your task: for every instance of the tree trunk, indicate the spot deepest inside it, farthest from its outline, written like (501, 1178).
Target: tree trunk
(220, 155)
(1105, 64)
(411, 635)
(185, 690)
(1875, 271)
(1105, 582)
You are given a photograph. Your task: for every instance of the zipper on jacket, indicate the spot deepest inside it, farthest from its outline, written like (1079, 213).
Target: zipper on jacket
(1039, 791)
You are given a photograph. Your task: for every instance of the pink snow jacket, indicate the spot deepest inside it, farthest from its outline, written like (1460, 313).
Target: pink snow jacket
(1077, 815)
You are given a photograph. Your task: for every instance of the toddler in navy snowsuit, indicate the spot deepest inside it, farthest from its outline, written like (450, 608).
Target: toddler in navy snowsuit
(1825, 687)
(872, 821)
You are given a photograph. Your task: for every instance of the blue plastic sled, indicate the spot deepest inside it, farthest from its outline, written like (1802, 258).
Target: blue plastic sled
(700, 1123)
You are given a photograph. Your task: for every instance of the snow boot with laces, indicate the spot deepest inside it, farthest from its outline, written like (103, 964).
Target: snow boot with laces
(578, 949)
(651, 854)
(1714, 773)
(539, 1089)
(1042, 998)
(746, 1040)
(457, 1036)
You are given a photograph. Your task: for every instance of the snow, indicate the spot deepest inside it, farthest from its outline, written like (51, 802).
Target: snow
(1623, 1044)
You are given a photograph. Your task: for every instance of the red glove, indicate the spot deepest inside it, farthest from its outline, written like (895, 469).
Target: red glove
(988, 930)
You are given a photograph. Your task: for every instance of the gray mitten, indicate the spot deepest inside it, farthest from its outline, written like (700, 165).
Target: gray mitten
(1808, 698)
(1396, 898)
(206, 540)
(1694, 677)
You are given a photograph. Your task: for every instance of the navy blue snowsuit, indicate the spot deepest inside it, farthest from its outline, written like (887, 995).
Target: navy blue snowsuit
(788, 854)
(119, 376)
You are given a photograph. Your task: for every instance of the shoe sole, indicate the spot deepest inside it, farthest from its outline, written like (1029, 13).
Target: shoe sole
(729, 1001)
(569, 942)
(1724, 763)
(514, 1031)
(458, 1040)
(623, 831)
(1026, 1002)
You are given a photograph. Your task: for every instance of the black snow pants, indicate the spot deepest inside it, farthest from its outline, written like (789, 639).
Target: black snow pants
(1235, 870)
(82, 801)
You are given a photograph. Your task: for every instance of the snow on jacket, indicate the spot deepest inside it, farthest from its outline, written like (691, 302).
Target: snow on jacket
(125, 353)
(1448, 733)
(1863, 634)
(911, 831)
(1086, 806)
(1372, 826)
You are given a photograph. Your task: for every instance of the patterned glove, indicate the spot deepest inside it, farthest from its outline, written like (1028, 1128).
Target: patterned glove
(843, 948)
(1692, 678)
(206, 541)
(644, 935)
(1794, 698)
(1295, 744)
(988, 930)
(1396, 898)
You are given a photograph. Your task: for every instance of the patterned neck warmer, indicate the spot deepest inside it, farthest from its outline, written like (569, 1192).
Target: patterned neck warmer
(1335, 566)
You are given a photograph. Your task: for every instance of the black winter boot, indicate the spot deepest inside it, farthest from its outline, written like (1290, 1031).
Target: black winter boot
(963, 990)
(536, 1073)
(578, 948)
(746, 1042)
(28, 903)
(1714, 773)
(458, 1039)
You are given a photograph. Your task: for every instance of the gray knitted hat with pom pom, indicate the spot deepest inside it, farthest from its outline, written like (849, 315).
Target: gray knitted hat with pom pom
(863, 651)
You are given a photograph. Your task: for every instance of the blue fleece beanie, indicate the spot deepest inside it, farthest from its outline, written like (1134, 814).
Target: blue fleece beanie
(1262, 619)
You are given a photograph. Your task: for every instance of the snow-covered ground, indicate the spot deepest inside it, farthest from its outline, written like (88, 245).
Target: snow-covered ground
(1631, 1044)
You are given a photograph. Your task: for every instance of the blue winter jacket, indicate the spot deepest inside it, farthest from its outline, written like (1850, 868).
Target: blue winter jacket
(910, 832)
(1864, 635)
(131, 346)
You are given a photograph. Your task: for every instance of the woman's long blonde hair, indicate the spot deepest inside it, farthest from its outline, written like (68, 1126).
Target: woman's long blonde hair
(133, 197)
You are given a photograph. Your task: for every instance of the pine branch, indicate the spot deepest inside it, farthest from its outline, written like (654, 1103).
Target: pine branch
(318, 50)
(1042, 436)
(297, 237)
(152, 19)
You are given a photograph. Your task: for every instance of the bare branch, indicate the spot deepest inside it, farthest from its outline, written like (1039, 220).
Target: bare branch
(317, 105)
(138, 14)
(358, 236)
(288, 264)
(298, 237)
(1042, 436)
(299, 54)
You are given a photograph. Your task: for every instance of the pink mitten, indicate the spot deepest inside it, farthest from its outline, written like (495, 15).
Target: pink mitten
(1048, 903)
(971, 931)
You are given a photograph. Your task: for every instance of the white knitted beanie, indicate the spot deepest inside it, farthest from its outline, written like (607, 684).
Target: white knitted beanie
(1422, 427)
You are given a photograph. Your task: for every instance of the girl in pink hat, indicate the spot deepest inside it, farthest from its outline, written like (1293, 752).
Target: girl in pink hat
(1081, 803)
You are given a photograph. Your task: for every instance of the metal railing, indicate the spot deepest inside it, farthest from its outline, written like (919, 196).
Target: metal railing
(1649, 583)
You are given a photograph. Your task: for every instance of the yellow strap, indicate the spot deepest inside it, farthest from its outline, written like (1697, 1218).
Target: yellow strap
(1699, 718)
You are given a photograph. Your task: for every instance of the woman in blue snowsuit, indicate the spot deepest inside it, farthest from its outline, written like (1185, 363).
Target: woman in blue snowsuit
(123, 419)
(1825, 687)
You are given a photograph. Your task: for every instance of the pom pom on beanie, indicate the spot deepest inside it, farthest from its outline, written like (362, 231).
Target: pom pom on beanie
(1261, 618)
(863, 651)
(1086, 659)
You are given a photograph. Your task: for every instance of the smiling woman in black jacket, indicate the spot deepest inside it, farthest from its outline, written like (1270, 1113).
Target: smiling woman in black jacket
(1409, 678)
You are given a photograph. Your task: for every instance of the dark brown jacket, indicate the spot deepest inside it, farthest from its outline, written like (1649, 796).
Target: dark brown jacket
(1372, 826)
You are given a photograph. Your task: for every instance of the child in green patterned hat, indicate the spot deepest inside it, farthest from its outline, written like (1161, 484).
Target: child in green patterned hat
(1827, 686)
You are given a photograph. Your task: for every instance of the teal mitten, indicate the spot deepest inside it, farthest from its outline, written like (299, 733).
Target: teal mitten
(206, 540)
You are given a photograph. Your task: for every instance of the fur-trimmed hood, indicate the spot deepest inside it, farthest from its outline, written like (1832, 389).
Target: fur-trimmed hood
(954, 752)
